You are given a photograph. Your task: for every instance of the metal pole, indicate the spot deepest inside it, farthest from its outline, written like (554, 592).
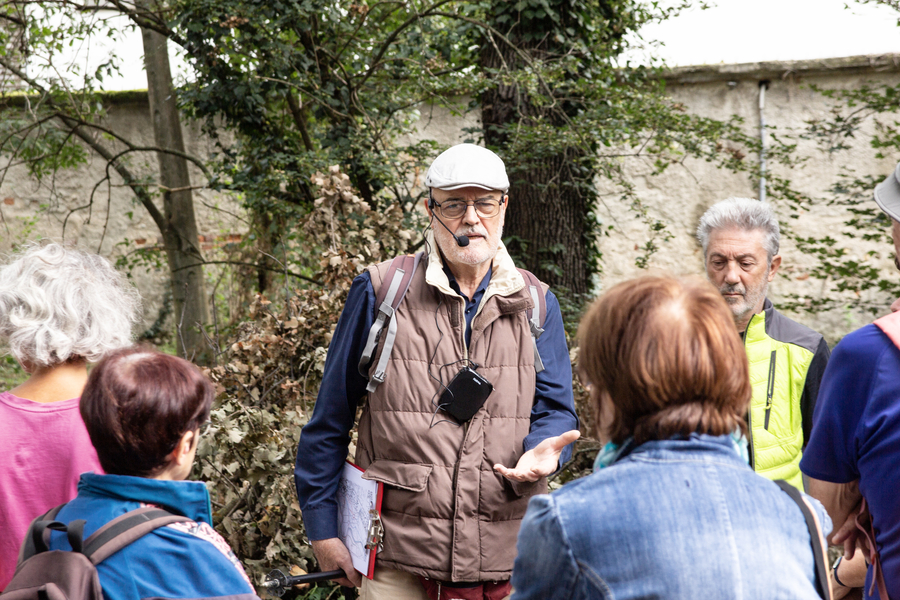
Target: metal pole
(762, 140)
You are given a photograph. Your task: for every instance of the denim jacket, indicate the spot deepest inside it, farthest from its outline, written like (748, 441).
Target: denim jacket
(675, 519)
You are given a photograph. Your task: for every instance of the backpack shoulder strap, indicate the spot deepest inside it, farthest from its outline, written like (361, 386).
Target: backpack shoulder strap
(387, 298)
(535, 318)
(29, 547)
(823, 586)
(125, 529)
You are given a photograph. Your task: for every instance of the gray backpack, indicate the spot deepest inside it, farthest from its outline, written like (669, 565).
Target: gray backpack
(44, 574)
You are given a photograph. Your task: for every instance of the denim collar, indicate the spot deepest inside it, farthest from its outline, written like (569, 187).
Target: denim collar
(188, 498)
(695, 441)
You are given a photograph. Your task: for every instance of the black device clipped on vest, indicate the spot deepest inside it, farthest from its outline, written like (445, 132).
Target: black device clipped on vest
(465, 394)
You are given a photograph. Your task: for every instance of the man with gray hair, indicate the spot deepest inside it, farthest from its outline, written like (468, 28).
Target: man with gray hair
(740, 239)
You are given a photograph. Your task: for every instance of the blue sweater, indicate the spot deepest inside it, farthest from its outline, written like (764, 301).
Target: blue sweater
(182, 560)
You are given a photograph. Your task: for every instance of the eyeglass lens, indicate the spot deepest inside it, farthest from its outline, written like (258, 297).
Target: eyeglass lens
(453, 209)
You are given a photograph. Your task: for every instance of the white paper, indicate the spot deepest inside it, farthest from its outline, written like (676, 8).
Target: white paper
(356, 497)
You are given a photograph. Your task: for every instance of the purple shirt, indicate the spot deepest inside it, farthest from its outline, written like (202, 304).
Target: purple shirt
(45, 449)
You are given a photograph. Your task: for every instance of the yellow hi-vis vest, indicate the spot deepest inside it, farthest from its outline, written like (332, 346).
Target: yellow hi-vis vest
(780, 352)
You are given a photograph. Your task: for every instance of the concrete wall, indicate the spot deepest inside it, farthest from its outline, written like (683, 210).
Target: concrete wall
(116, 225)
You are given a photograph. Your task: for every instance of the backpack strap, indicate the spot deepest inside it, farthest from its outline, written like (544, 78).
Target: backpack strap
(104, 542)
(536, 321)
(865, 526)
(38, 533)
(388, 298)
(823, 585)
(125, 529)
(28, 548)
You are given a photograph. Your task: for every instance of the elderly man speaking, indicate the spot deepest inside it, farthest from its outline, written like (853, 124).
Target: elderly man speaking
(467, 396)
(740, 240)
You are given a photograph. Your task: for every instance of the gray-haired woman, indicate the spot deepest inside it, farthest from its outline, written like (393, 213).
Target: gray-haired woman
(60, 308)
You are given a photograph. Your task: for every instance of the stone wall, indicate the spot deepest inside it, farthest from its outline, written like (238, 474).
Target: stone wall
(682, 193)
(83, 207)
(115, 224)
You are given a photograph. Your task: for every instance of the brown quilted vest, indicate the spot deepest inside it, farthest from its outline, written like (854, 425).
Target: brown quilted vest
(447, 515)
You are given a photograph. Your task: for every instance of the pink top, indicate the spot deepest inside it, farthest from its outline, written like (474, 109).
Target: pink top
(44, 449)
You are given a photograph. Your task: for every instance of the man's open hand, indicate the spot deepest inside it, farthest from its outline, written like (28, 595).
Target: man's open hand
(540, 461)
(332, 554)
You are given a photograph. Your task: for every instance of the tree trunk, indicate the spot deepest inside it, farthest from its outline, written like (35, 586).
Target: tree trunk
(547, 224)
(180, 231)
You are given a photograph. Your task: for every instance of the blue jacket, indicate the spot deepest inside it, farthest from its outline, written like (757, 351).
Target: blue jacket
(675, 519)
(181, 560)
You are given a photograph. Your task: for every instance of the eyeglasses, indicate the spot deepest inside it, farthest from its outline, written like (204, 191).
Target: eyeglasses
(204, 428)
(454, 209)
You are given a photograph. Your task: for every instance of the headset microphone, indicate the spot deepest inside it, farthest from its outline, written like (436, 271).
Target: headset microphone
(461, 240)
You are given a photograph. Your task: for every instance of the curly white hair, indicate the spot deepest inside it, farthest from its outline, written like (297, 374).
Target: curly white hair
(59, 303)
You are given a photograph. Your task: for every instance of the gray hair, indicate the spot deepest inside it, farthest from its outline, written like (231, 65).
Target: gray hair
(59, 303)
(744, 214)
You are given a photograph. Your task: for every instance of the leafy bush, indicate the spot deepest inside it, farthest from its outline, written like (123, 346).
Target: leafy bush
(266, 387)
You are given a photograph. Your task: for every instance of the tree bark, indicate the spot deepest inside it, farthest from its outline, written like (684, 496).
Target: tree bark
(547, 224)
(180, 231)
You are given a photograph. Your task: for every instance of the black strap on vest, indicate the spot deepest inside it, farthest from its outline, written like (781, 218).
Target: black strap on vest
(815, 535)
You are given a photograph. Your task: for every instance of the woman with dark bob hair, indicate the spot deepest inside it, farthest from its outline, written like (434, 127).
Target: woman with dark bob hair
(671, 510)
(143, 411)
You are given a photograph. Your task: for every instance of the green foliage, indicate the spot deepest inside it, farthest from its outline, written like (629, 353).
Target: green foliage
(564, 107)
(852, 278)
(32, 131)
(304, 85)
(289, 88)
(11, 373)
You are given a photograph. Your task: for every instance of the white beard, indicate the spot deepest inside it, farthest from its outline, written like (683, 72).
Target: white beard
(478, 251)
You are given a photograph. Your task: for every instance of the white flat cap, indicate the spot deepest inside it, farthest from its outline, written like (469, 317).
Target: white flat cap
(467, 165)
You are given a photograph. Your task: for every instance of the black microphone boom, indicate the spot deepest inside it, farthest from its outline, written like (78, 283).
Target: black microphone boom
(461, 240)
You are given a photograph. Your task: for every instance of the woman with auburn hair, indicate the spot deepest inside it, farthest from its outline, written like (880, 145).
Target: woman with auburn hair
(60, 308)
(671, 510)
(144, 411)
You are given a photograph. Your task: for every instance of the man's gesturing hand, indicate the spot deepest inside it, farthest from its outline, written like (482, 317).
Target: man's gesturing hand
(332, 554)
(540, 461)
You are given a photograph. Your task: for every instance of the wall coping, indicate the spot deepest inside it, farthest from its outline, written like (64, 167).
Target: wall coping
(776, 70)
(18, 98)
(755, 71)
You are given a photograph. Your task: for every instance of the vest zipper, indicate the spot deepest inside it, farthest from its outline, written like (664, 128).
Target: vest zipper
(462, 316)
(770, 390)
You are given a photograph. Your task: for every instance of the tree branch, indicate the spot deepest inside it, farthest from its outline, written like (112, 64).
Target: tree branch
(299, 120)
(77, 128)
(255, 266)
(393, 36)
